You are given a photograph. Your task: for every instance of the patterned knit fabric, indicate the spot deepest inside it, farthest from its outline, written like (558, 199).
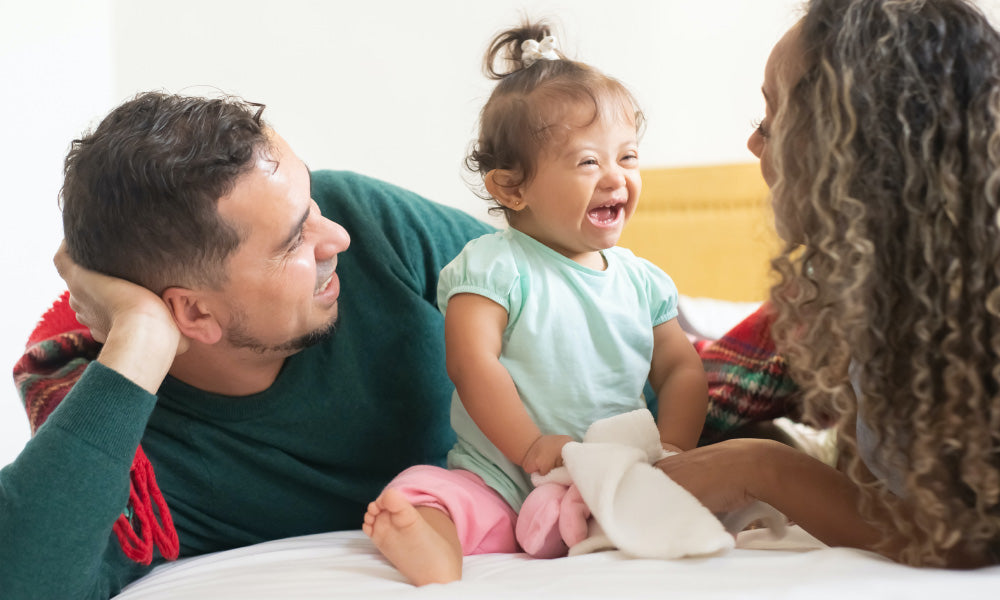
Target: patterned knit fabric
(57, 352)
(748, 382)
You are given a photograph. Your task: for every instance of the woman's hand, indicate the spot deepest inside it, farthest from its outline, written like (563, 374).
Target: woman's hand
(720, 476)
(136, 327)
(728, 475)
(545, 454)
(671, 448)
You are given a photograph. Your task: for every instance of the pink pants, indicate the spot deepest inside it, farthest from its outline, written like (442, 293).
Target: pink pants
(551, 516)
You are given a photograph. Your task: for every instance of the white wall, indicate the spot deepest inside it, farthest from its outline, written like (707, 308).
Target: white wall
(55, 72)
(388, 88)
(393, 88)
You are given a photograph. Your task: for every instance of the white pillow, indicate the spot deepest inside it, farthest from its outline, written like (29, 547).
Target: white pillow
(710, 317)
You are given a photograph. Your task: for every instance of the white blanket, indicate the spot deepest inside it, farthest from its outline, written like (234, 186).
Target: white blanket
(635, 507)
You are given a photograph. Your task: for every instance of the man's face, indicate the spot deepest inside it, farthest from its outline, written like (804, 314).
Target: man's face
(282, 290)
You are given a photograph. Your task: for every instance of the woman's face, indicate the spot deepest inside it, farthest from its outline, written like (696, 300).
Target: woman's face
(784, 67)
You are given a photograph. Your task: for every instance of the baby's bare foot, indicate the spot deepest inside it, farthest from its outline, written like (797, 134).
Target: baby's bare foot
(407, 537)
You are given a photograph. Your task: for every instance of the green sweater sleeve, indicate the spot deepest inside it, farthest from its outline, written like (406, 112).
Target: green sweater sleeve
(60, 498)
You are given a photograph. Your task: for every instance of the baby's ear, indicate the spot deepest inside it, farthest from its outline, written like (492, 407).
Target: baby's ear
(504, 186)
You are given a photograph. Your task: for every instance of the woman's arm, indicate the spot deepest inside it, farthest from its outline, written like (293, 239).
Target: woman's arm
(728, 475)
(677, 375)
(474, 328)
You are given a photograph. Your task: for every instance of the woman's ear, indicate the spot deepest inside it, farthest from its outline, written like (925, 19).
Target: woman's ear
(500, 184)
(194, 320)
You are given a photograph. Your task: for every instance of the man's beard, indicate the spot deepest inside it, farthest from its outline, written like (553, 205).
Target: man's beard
(238, 337)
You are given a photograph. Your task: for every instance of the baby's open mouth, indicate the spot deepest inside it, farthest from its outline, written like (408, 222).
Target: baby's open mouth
(606, 214)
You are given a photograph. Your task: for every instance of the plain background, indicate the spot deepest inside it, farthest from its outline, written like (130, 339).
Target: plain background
(389, 88)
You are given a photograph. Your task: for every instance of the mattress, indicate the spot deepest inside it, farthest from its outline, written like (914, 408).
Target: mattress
(346, 565)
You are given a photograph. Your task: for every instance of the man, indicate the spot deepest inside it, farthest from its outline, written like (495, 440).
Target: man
(276, 370)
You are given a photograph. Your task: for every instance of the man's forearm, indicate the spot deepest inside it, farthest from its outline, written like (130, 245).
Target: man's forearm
(61, 496)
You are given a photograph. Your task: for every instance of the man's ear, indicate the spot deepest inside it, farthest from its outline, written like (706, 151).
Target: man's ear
(192, 316)
(500, 184)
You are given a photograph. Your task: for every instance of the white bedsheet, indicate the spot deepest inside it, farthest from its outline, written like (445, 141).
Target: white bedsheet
(346, 565)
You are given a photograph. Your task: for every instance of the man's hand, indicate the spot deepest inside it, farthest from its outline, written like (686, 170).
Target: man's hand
(545, 454)
(136, 327)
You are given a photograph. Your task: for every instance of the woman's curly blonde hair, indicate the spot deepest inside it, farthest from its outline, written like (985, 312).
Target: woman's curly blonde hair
(887, 157)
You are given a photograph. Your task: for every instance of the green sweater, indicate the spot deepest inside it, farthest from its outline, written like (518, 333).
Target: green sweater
(304, 456)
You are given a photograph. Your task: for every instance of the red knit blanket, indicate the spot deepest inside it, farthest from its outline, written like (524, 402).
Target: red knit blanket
(748, 381)
(58, 351)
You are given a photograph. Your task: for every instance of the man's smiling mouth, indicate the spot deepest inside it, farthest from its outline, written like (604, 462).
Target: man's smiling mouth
(324, 276)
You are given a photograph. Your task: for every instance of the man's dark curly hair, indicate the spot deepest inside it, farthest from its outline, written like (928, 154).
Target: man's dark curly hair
(140, 192)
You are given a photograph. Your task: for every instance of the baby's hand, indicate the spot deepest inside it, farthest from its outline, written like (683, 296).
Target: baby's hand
(545, 454)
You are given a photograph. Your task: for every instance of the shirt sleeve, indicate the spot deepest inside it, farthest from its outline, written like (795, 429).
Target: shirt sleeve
(64, 491)
(662, 293)
(485, 267)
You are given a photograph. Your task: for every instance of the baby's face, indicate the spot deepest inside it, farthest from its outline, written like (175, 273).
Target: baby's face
(585, 188)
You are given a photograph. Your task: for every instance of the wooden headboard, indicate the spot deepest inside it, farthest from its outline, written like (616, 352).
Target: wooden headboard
(709, 227)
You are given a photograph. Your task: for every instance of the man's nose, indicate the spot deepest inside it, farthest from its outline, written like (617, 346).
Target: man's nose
(334, 239)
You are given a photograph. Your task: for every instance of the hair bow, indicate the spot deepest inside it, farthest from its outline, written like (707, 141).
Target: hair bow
(533, 51)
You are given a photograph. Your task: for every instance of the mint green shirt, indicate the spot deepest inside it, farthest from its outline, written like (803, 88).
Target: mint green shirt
(578, 342)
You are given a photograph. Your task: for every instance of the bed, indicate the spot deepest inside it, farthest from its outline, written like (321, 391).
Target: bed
(710, 228)
(346, 565)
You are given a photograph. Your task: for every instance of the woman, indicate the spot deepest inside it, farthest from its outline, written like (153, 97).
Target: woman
(881, 146)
